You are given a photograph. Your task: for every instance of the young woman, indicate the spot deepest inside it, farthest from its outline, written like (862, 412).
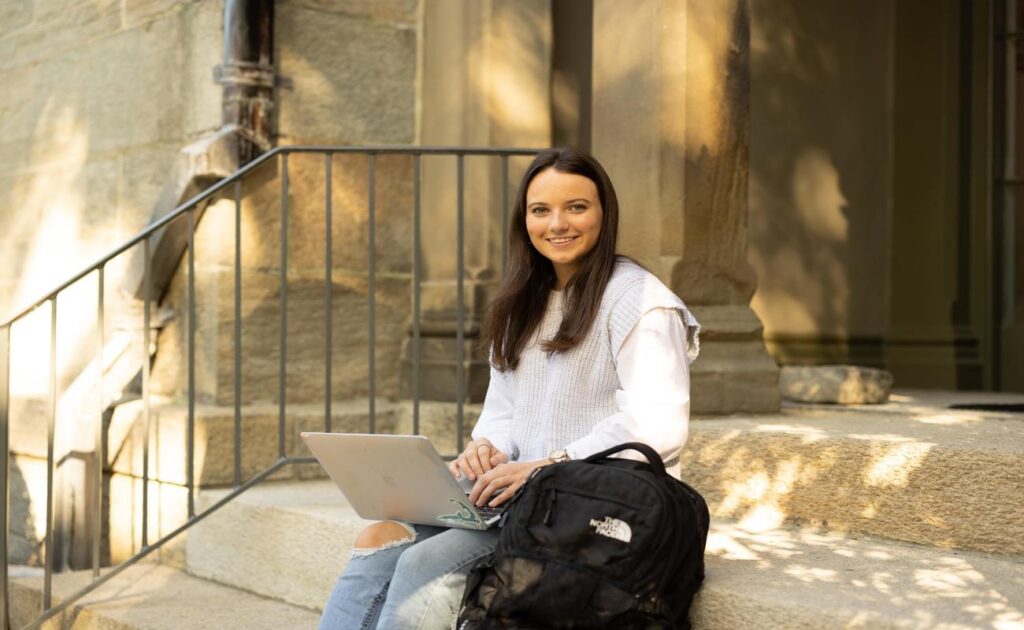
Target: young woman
(588, 350)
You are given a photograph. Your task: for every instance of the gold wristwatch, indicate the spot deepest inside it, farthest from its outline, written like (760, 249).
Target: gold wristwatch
(559, 455)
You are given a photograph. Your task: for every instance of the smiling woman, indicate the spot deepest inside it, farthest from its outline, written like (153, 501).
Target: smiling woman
(588, 350)
(563, 219)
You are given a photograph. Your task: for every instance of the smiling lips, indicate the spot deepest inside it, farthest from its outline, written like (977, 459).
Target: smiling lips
(558, 242)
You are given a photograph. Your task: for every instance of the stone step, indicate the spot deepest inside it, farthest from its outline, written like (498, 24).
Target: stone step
(153, 597)
(800, 578)
(912, 470)
(289, 540)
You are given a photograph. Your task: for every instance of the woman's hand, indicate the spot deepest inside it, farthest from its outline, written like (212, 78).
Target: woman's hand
(479, 457)
(508, 478)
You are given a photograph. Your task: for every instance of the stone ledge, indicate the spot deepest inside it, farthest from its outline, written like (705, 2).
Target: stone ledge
(917, 473)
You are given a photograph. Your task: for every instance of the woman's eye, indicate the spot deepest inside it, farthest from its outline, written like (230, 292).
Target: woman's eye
(578, 207)
(538, 210)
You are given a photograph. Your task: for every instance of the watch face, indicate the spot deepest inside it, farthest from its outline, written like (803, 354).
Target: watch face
(559, 455)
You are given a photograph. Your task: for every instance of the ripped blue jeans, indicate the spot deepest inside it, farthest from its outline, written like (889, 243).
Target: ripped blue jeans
(410, 585)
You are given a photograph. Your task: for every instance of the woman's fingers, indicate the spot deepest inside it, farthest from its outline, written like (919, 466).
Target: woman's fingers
(506, 494)
(477, 457)
(491, 487)
(480, 489)
(498, 458)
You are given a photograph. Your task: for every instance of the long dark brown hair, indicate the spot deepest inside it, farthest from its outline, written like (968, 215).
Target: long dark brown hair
(515, 313)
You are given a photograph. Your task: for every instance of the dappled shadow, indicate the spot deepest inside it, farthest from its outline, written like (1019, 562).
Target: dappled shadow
(870, 580)
(949, 479)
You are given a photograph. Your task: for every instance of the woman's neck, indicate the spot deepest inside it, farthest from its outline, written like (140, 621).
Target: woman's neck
(563, 274)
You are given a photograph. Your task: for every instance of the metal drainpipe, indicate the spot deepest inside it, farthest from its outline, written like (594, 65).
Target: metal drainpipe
(247, 75)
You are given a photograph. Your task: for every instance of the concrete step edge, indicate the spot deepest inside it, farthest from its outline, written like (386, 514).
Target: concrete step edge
(776, 578)
(148, 596)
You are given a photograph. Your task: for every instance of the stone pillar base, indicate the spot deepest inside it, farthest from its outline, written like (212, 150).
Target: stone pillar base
(734, 373)
(438, 330)
(438, 368)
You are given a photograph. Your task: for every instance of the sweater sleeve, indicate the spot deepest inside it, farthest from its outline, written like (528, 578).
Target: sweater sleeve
(652, 364)
(496, 417)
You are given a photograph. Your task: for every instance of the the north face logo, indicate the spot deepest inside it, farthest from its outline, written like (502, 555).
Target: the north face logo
(612, 528)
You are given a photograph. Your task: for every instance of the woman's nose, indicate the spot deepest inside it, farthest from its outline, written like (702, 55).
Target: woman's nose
(558, 222)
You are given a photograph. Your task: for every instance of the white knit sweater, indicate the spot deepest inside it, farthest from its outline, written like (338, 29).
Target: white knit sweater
(553, 401)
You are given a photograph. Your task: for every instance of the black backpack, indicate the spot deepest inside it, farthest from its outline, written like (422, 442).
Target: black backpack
(594, 543)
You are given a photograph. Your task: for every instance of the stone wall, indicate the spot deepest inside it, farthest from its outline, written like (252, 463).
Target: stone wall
(348, 69)
(348, 77)
(99, 96)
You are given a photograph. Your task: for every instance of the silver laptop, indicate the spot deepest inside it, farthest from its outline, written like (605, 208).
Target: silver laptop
(398, 477)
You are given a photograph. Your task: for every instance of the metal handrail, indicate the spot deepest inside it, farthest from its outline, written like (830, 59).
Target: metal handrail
(222, 184)
(144, 236)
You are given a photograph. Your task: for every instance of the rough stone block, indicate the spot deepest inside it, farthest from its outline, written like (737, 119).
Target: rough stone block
(326, 55)
(14, 15)
(17, 111)
(305, 354)
(137, 12)
(395, 11)
(841, 384)
(143, 175)
(58, 27)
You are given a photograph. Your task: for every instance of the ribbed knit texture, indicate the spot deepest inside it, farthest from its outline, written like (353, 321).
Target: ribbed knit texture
(561, 397)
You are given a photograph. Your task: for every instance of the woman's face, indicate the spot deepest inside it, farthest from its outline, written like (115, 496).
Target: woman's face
(563, 219)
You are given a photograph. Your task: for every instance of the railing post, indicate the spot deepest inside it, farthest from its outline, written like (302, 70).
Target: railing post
(50, 428)
(460, 311)
(238, 335)
(372, 287)
(190, 438)
(328, 286)
(5, 478)
(504, 213)
(282, 380)
(97, 487)
(146, 418)
(416, 273)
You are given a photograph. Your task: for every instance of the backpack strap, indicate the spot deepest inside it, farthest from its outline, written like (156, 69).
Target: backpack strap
(652, 456)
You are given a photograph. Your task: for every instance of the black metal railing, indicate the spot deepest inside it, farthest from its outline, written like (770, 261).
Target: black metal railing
(188, 210)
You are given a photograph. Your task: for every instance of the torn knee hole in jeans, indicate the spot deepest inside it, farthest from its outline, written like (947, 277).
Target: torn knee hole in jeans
(360, 552)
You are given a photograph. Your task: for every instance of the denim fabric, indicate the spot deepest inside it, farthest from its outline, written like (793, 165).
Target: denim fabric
(416, 585)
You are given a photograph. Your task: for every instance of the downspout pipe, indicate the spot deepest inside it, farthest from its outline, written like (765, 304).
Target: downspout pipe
(248, 129)
(247, 75)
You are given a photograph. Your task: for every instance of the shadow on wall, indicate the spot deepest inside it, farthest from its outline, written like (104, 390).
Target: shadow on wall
(25, 542)
(820, 187)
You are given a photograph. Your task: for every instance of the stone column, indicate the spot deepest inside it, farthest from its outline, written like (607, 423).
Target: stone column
(484, 81)
(670, 123)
